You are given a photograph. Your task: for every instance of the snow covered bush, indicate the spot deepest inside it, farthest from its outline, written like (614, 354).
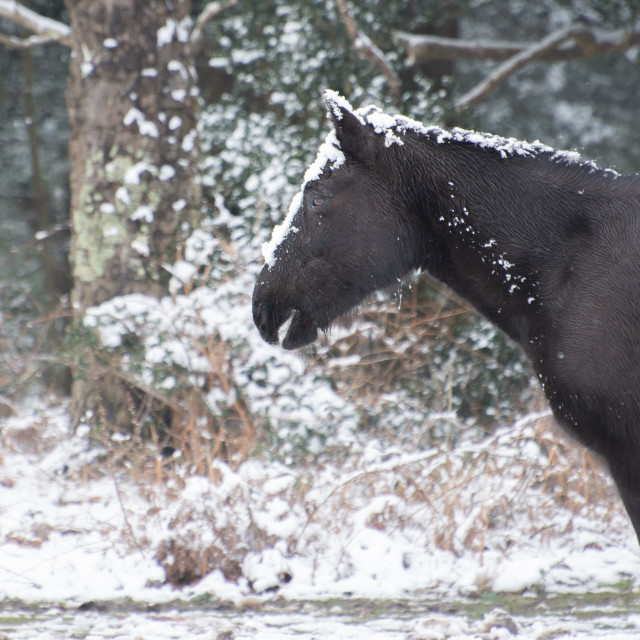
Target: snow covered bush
(202, 382)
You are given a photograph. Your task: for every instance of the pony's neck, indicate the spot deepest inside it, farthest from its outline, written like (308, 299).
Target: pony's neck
(493, 227)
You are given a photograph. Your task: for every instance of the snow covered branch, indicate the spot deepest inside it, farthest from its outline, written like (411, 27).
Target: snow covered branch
(367, 49)
(44, 29)
(425, 48)
(585, 43)
(570, 43)
(515, 63)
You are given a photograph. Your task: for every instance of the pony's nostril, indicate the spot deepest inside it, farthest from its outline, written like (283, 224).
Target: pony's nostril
(260, 315)
(265, 319)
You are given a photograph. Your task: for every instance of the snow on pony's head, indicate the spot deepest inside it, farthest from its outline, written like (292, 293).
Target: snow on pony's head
(329, 154)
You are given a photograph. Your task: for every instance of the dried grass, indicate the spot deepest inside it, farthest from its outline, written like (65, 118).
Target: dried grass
(458, 498)
(179, 421)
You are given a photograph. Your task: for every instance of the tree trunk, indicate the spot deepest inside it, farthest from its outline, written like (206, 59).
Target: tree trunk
(132, 107)
(132, 103)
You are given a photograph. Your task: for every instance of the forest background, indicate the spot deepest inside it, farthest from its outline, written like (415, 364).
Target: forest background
(147, 151)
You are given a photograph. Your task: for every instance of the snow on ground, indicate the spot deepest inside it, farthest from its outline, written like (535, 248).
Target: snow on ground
(70, 534)
(303, 621)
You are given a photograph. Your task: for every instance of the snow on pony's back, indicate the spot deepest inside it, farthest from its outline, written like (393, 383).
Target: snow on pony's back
(393, 128)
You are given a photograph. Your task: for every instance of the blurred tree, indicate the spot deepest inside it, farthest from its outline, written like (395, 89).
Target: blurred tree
(132, 100)
(35, 276)
(132, 103)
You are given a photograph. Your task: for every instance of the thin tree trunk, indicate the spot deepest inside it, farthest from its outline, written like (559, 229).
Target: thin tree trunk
(55, 269)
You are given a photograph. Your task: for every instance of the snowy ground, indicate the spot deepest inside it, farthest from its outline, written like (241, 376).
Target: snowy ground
(357, 620)
(334, 551)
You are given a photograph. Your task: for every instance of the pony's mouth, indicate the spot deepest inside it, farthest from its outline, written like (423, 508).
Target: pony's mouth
(300, 332)
(298, 327)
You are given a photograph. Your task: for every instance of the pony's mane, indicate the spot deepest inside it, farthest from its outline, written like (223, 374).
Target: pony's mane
(394, 128)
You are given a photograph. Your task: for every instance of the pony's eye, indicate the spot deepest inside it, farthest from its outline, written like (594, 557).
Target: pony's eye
(318, 201)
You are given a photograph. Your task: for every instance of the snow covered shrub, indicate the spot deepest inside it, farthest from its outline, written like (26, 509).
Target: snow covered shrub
(175, 369)
(225, 522)
(199, 381)
(388, 513)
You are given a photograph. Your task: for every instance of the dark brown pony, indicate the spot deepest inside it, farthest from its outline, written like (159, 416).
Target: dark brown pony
(543, 244)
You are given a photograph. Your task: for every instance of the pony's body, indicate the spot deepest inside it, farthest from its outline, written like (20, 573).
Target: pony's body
(544, 245)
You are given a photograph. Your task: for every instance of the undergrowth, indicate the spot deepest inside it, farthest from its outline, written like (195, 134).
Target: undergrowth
(515, 487)
(519, 486)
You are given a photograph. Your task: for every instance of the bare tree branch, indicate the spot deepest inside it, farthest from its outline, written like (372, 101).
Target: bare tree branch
(425, 48)
(586, 43)
(515, 63)
(45, 29)
(211, 11)
(26, 43)
(368, 50)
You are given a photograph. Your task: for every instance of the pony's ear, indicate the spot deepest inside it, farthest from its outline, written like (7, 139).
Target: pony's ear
(356, 138)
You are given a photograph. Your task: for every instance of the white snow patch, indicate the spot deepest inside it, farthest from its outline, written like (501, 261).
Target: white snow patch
(384, 123)
(86, 69)
(122, 195)
(107, 208)
(182, 270)
(143, 213)
(281, 231)
(166, 33)
(199, 248)
(173, 30)
(189, 141)
(166, 172)
(218, 63)
(133, 174)
(111, 232)
(263, 569)
(337, 104)
(146, 128)
(394, 126)
(179, 205)
(141, 248)
(175, 66)
(329, 154)
(246, 56)
(184, 29)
